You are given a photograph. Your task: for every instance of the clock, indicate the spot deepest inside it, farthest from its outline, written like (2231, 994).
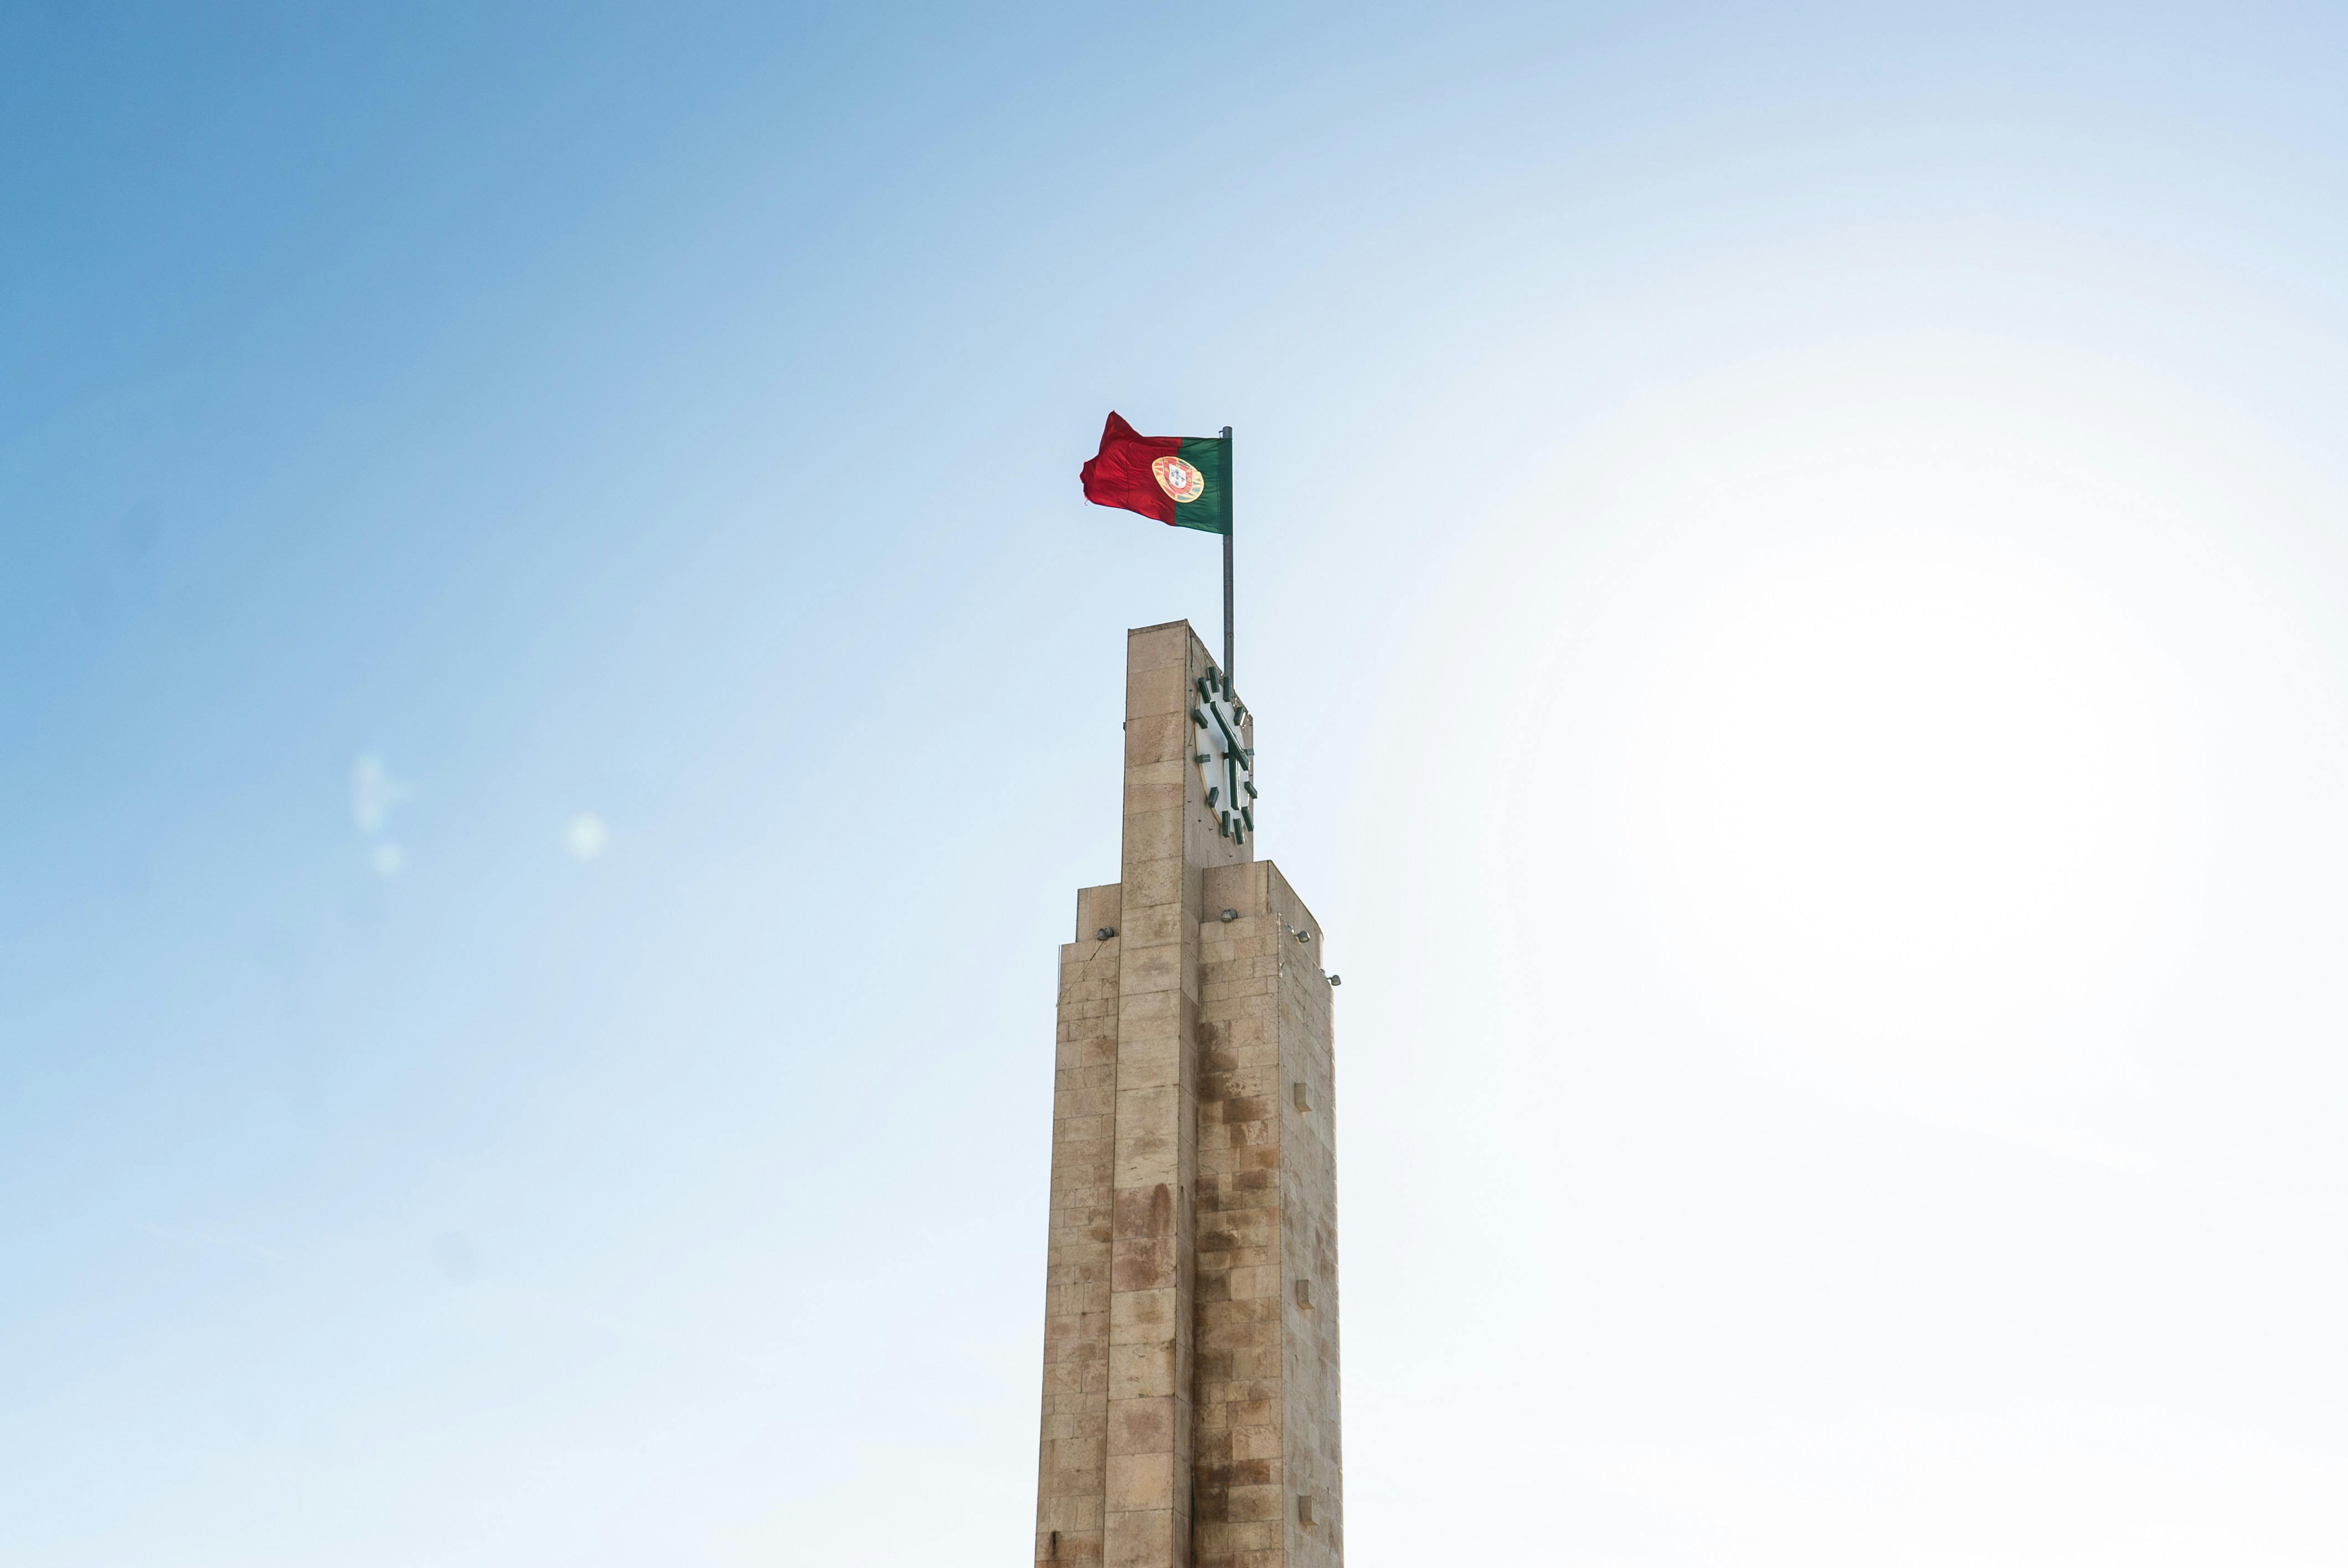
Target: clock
(1226, 762)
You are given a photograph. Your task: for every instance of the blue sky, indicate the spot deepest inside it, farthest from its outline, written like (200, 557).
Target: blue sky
(555, 687)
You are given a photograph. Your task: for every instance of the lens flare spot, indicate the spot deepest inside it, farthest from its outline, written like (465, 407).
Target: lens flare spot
(587, 836)
(374, 793)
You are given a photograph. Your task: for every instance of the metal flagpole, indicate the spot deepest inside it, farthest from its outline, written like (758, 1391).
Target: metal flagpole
(1230, 522)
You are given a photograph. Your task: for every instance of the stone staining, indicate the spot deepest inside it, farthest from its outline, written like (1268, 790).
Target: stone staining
(1190, 1388)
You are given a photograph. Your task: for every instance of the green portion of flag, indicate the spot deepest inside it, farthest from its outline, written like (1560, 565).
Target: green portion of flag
(1211, 512)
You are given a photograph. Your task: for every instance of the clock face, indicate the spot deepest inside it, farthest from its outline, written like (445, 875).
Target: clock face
(1226, 762)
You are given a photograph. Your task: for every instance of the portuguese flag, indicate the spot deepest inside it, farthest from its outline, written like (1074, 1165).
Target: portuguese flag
(1181, 480)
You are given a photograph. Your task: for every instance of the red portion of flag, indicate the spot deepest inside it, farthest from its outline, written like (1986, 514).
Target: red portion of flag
(1121, 476)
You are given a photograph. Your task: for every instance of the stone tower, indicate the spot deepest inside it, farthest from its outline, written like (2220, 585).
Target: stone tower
(1191, 1415)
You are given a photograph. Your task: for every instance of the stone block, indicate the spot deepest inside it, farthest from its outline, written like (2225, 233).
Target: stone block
(1147, 1211)
(1148, 1015)
(1158, 689)
(1141, 1371)
(1140, 1538)
(1152, 738)
(1095, 908)
(1167, 643)
(1155, 926)
(1158, 970)
(1142, 1427)
(1144, 1316)
(1158, 881)
(1258, 1503)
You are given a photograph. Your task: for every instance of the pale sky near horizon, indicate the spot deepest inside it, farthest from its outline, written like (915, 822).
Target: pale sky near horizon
(556, 689)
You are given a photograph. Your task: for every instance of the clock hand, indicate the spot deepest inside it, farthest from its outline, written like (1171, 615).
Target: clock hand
(1224, 724)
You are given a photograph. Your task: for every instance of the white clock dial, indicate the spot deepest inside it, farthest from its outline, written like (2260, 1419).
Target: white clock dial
(1226, 762)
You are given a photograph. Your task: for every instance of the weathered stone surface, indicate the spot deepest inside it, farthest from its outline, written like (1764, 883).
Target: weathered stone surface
(1190, 1395)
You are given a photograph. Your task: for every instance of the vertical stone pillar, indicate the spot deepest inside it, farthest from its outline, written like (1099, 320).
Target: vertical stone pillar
(1071, 1468)
(1268, 1446)
(1152, 1263)
(1312, 1456)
